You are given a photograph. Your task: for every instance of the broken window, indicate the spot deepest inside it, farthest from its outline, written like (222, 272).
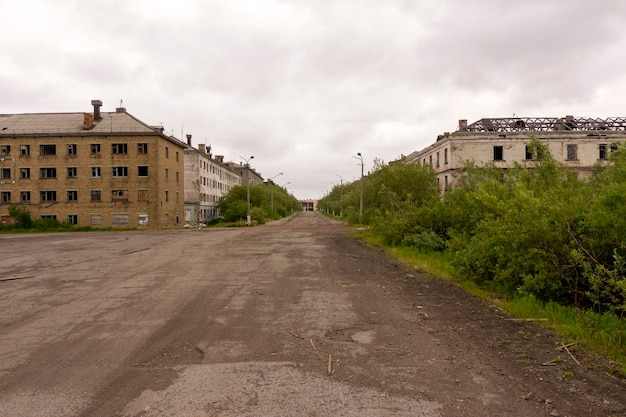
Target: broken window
(602, 151)
(5, 197)
(142, 148)
(142, 171)
(437, 159)
(119, 148)
(47, 172)
(445, 156)
(498, 153)
(47, 149)
(572, 152)
(96, 195)
(24, 173)
(5, 150)
(25, 196)
(5, 174)
(72, 219)
(72, 149)
(72, 172)
(143, 219)
(120, 172)
(119, 195)
(95, 172)
(95, 148)
(72, 195)
(48, 216)
(24, 150)
(47, 196)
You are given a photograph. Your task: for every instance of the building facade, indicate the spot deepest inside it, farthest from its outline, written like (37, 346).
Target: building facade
(577, 143)
(91, 169)
(207, 180)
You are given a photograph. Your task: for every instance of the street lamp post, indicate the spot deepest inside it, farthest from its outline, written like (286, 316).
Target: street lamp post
(340, 195)
(271, 181)
(247, 165)
(360, 157)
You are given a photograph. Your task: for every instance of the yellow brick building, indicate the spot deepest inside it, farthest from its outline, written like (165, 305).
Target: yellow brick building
(91, 169)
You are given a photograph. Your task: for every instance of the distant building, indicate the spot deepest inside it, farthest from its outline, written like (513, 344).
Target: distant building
(577, 143)
(101, 169)
(207, 180)
(308, 205)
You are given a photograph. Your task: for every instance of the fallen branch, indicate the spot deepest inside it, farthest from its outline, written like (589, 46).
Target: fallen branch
(563, 346)
(330, 364)
(296, 335)
(542, 319)
(15, 278)
(312, 344)
(572, 356)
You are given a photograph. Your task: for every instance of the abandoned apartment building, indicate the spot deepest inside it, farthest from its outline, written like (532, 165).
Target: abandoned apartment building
(577, 143)
(102, 169)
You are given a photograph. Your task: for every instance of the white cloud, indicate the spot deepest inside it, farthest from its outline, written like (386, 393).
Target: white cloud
(303, 85)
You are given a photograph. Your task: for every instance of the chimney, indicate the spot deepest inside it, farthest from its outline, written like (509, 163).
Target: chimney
(219, 158)
(462, 124)
(96, 110)
(88, 121)
(120, 110)
(201, 148)
(189, 140)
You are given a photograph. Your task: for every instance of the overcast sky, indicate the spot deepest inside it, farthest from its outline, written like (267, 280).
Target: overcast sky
(303, 85)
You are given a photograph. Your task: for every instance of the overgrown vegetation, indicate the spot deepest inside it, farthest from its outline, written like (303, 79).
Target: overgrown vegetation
(24, 223)
(537, 233)
(267, 202)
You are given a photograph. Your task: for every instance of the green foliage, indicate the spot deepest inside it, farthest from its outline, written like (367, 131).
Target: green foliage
(267, 202)
(21, 216)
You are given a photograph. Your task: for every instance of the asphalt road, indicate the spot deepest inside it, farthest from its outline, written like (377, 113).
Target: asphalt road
(294, 318)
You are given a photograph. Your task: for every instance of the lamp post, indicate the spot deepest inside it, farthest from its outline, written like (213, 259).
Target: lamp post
(360, 157)
(271, 181)
(247, 165)
(340, 195)
(281, 195)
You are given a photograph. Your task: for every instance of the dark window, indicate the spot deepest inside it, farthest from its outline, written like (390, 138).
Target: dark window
(47, 172)
(167, 152)
(498, 153)
(142, 148)
(167, 174)
(120, 172)
(72, 219)
(72, 172)
(48, 196)
(95, 172)
(572, 152)
(72, 149)
(176, 156)
(530, 156)
(5, 197)
(437, 159)
(142, 171)
(72, 195)
(167, 196)
(96, 195)
(25, 196)
(48, 216)
(119, 148)
(445, 156)
(5, 150)
(24, 173)
(47, 149)
(5, 174)
(602, 151)
(95, 149)
(24, 150)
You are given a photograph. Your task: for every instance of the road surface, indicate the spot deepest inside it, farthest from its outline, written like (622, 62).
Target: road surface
(293, 318)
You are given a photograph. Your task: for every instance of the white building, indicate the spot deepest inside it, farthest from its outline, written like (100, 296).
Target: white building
(577, 143)
(207, 180)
